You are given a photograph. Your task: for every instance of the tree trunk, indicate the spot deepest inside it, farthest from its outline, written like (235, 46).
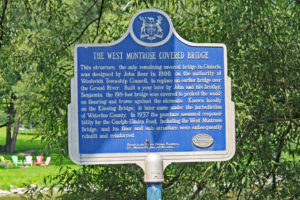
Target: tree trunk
(10, 117)
(8, 125)
(15, 134)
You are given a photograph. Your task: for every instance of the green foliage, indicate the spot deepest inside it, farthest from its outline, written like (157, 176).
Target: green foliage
(263, 40)
(3, 117)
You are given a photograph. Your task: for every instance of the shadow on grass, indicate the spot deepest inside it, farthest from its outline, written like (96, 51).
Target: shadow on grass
(27, 133)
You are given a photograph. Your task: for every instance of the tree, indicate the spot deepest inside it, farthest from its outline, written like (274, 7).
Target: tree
(263, 40)
(9, 75)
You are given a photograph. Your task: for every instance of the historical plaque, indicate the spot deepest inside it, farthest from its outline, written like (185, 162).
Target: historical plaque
(151, 91)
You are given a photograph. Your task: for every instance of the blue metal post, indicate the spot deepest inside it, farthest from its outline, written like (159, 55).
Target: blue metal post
(154, 191)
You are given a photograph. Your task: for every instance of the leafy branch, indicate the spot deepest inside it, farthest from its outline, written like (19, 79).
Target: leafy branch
(86, 27)
(4, 7)
(99, 19)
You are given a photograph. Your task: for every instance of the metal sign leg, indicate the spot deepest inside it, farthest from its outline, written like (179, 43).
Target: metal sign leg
(154, 176)
(154, 191)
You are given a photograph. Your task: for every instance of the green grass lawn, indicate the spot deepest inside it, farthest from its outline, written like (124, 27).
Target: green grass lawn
(25, 140)
(16, 176)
